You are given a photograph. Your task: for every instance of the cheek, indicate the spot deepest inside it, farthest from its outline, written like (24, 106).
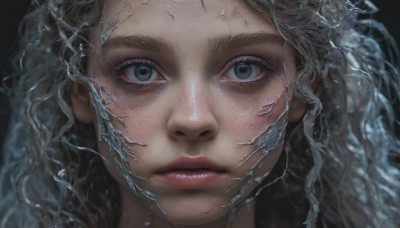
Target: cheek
(259, 117)
(260, 133)
(137, 121)
(250, 116)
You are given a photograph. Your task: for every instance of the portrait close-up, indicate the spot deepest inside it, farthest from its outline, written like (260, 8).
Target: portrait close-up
(200, 114)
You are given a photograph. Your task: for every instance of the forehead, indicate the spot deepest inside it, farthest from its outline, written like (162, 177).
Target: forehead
(180, 18)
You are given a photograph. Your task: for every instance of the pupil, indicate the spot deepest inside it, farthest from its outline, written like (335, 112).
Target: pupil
(243, 70)
(143, 73)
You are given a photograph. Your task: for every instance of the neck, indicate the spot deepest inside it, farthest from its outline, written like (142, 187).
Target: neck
(137, 213)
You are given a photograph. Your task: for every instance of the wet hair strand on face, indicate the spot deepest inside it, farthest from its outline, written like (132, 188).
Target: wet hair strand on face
(342, 157)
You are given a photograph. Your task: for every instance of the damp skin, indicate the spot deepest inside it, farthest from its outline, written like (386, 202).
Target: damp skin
(194, 99)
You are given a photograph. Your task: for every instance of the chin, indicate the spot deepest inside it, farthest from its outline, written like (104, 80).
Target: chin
(194, 213)
(197, 219)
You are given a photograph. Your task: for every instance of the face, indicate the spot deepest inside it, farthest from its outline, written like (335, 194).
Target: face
(198, 93)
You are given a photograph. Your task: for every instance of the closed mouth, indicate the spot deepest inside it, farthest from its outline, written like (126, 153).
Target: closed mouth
(191, 173)
(188, 164)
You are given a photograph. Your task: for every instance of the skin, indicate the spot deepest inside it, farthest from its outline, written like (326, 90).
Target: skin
(194, 105)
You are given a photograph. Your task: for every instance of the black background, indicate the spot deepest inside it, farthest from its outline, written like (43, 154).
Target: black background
(11, 14)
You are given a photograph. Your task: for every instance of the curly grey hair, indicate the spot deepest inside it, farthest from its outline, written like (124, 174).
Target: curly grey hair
(341, 163)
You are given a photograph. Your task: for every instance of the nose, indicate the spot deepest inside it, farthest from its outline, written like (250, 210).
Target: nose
(192, 117)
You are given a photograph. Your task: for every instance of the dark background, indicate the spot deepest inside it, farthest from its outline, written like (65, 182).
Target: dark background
(11, 14)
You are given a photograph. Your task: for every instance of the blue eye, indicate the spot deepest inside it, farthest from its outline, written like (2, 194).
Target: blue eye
(139, 71)
(249, 73)
(246, 69)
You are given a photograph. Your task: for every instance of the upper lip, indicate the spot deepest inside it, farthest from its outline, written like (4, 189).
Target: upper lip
(191, 163)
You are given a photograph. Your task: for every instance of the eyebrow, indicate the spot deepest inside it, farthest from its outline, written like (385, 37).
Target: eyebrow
(159, 44)
(245, 39)
(151, 43)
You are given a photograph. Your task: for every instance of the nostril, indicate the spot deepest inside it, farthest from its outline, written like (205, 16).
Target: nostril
(204, 134)
(179, 133)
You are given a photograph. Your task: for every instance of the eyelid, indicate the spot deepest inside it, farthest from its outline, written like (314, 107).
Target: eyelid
(123, 65)
(119, 77)
(120, 69)
(261, 62)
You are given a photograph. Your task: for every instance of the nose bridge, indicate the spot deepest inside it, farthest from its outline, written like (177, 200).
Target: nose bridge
(192, 117)
(195, 99)
(194, 107)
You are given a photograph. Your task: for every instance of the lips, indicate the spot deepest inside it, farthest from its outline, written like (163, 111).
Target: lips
(189, 172)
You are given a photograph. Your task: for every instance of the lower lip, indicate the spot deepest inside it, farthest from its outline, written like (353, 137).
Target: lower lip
(192, 179)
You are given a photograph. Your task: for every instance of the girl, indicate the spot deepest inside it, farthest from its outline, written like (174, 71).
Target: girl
(132, 113)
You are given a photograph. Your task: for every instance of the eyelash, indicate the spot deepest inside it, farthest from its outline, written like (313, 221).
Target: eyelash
(120, 69)
(122, 66)
(254, 60)
(262, 63)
